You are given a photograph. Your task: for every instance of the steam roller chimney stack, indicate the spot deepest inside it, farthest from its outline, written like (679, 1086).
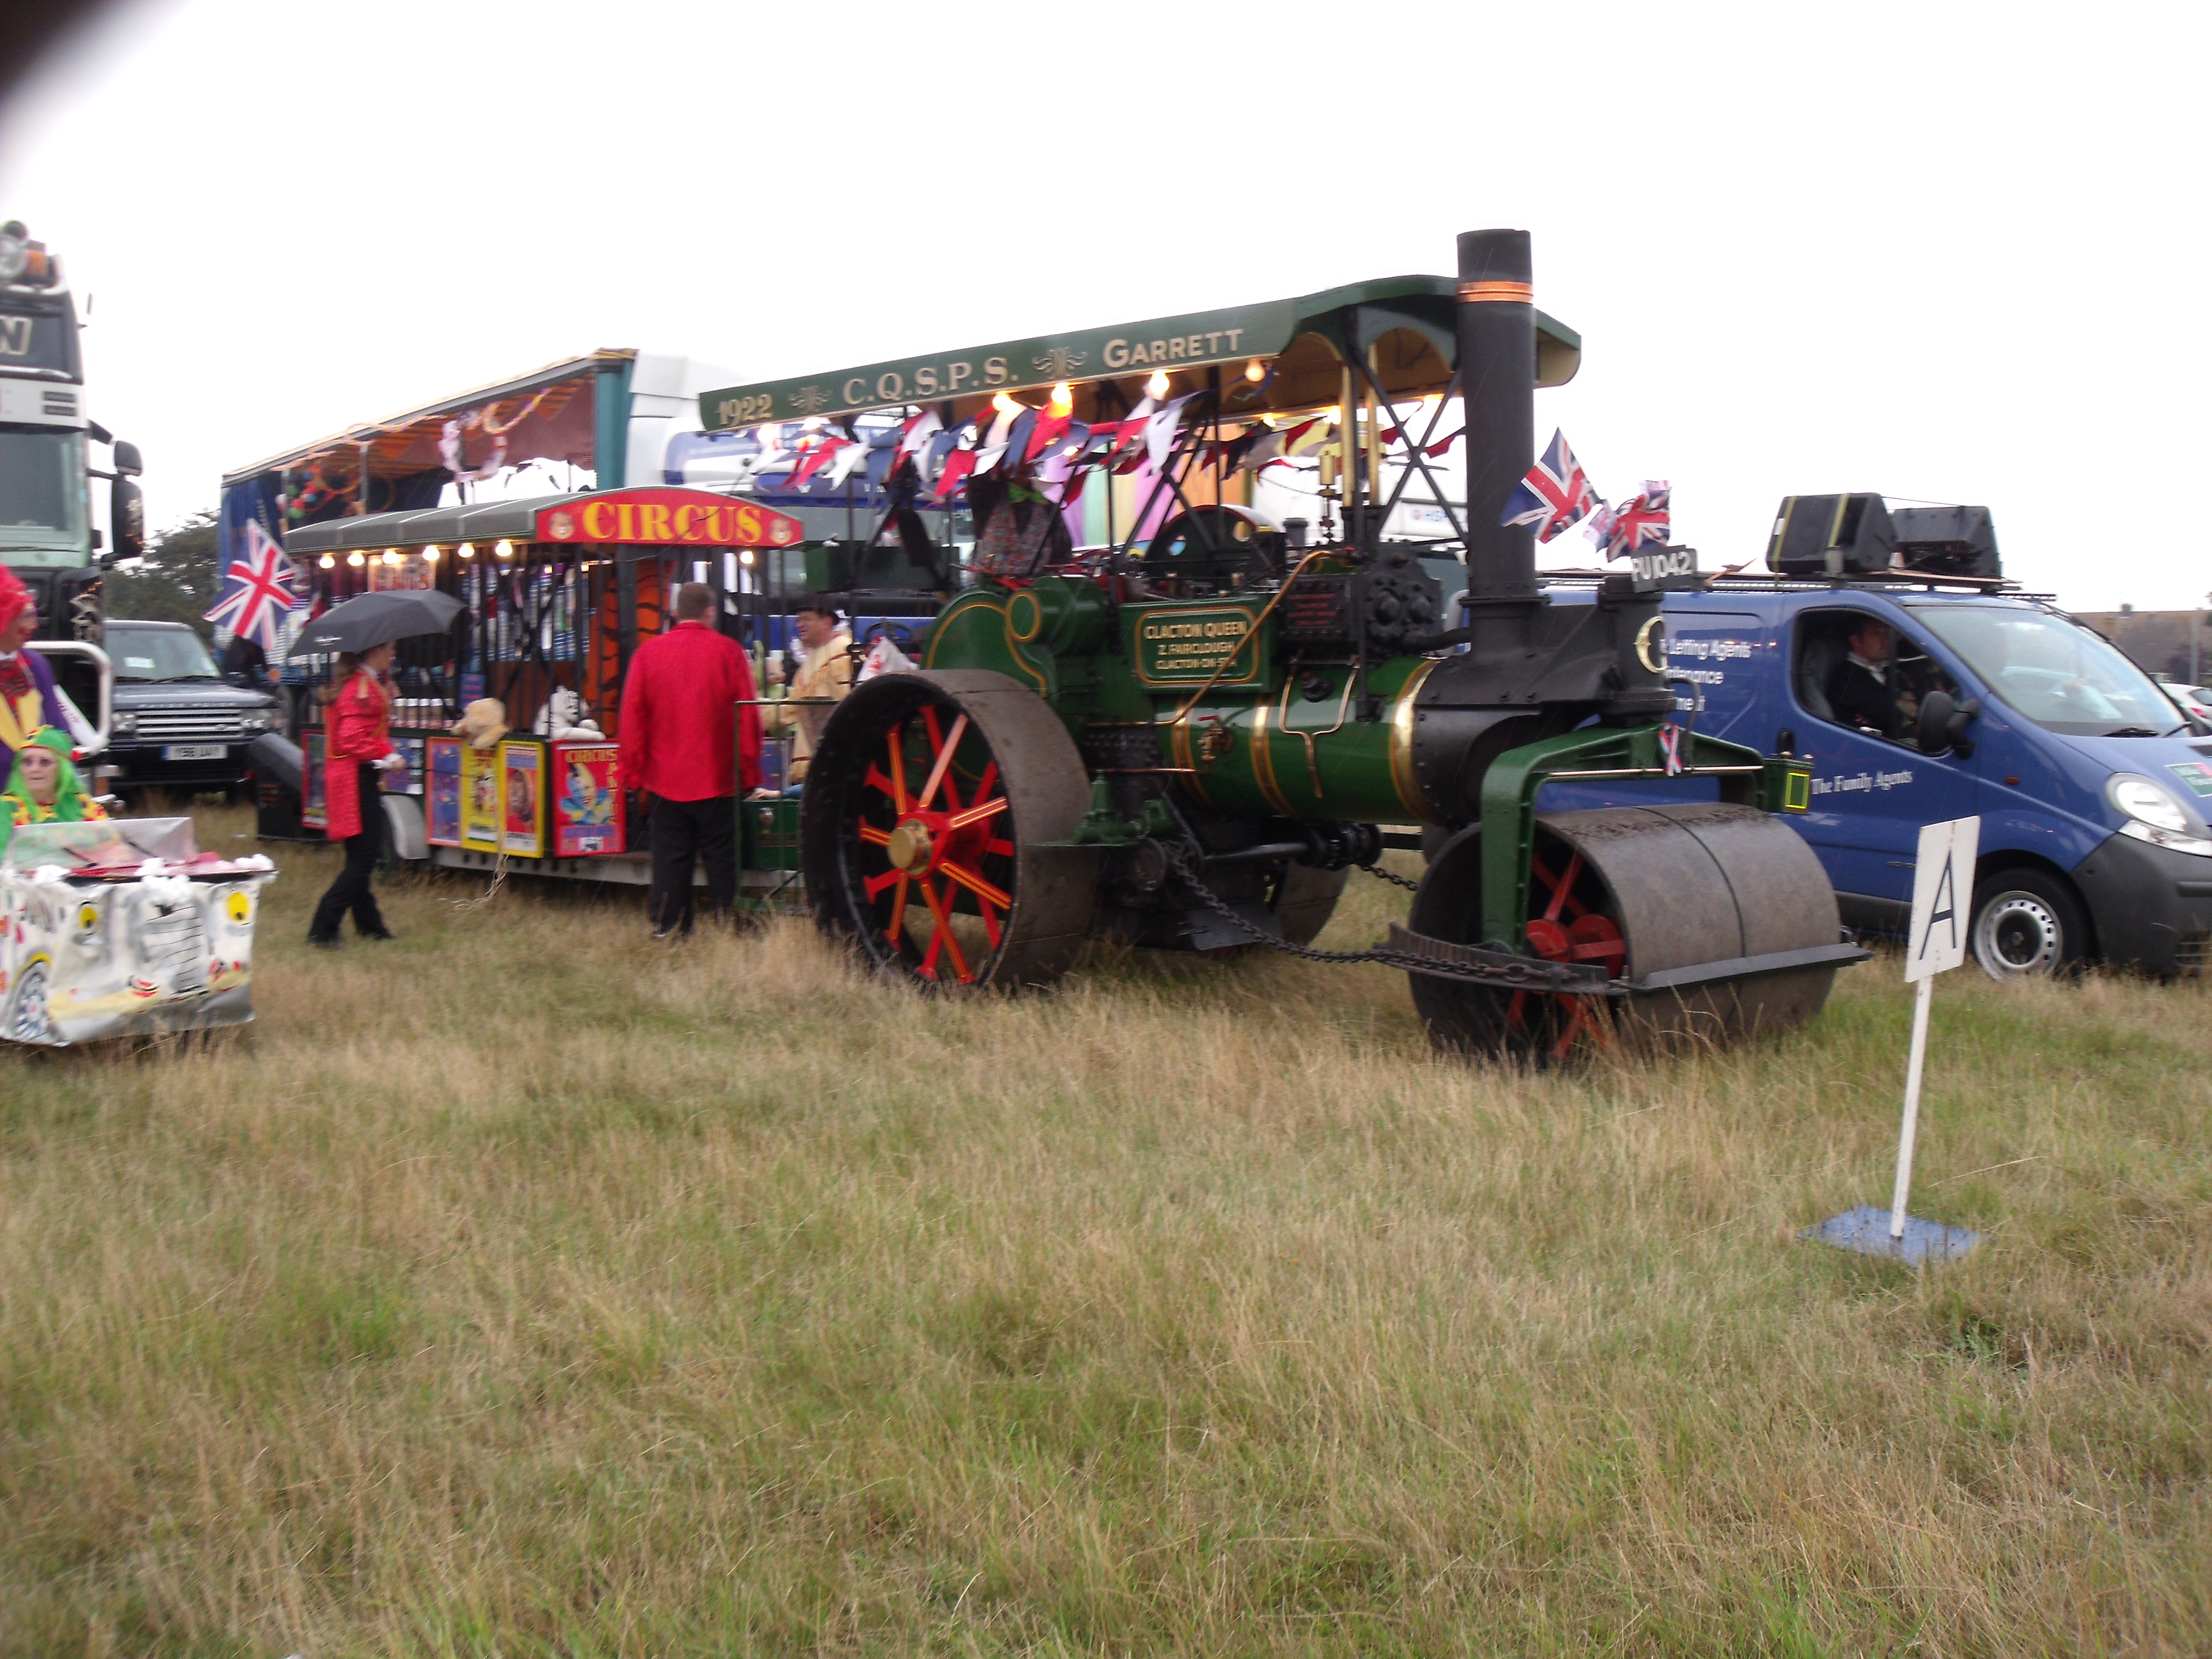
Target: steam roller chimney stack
(1498, 379)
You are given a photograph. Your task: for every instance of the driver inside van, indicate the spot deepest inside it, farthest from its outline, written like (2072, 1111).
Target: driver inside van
(1861, 689)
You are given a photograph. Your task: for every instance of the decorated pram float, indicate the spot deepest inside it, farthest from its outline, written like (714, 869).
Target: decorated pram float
(123, 928)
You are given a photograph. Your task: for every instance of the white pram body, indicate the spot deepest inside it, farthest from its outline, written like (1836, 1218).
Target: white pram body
(121, 927)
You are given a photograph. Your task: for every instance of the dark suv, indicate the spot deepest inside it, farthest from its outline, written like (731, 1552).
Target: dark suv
(178, 725)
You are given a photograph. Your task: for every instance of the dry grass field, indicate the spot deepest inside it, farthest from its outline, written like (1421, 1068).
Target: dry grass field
(524, 1287)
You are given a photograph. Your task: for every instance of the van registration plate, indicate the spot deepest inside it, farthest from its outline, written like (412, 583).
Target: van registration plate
(177, 751)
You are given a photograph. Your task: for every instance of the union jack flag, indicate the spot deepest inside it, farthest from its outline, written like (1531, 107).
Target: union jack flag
(1556, 492)
(1643, 521)
(258, 590)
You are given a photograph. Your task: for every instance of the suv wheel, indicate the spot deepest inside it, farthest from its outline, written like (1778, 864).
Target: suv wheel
(2027, 925)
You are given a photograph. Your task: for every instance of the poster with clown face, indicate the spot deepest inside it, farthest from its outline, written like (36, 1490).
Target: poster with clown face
(123, 929)
(586, 790)
(480, 802)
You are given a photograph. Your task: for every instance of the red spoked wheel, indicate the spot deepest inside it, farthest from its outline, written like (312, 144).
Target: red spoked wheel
(1570, 924)
(944, 857)
(1572, 917)
(932, 806)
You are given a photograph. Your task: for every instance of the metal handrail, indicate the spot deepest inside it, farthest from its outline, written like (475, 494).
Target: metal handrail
(104, 721)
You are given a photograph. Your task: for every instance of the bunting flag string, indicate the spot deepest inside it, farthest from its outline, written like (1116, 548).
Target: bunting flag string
(914, 443)
(816, 459)
(850, 459)
(1160, 429)
(961, 460)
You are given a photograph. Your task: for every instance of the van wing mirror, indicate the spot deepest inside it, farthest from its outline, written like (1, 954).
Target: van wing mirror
(1943, 725)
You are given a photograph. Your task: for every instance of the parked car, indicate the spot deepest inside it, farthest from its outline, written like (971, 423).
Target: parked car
(178, 725)
(2093, 788)
(2195, 701)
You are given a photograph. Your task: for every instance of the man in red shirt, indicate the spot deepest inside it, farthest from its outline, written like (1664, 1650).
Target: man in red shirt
(689, 744)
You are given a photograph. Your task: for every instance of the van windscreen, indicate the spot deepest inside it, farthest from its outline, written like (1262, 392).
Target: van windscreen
(2053, 671)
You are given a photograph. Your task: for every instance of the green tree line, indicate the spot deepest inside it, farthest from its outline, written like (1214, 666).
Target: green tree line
(177, 580)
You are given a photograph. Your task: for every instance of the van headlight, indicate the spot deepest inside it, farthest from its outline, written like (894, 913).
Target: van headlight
(253, 720)
(122, 726)
(2154, 816)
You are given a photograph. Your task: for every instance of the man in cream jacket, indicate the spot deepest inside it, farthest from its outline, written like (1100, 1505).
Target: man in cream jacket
(824, 673)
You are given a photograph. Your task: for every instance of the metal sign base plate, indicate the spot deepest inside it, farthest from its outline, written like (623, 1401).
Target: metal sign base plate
(1866, 1229)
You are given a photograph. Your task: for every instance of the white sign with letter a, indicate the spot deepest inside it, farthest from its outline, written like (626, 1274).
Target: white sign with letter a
(1942, 897)
(1942, 912)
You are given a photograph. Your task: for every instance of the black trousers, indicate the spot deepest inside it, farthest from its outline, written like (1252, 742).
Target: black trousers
(350, 892)
(685, 833)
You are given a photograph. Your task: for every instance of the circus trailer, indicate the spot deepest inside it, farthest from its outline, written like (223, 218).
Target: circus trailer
(358, 510)
(124, 928)
(558, 593)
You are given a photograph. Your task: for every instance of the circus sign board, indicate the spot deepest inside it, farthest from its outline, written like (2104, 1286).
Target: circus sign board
(667, 518)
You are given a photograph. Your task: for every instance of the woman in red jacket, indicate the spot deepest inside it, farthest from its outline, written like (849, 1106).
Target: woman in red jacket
(358, 748)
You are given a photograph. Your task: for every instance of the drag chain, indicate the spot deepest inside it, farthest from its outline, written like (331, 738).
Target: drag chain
(1381, 874)
(1179, 859)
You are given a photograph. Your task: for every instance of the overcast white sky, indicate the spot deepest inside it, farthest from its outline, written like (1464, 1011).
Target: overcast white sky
(1955, 252)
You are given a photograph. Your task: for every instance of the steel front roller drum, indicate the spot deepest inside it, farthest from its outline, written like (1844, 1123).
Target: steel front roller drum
(1639, 891)
(931, 806)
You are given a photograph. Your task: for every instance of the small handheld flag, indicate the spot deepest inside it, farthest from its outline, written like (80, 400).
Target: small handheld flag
(1555, 493)
(1643, 520)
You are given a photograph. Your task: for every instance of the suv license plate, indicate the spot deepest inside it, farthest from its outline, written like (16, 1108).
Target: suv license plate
(194, 750)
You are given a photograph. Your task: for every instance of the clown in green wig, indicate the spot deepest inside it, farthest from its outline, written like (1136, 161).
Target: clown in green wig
(44, 788)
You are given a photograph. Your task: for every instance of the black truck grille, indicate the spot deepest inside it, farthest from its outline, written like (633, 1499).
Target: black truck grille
(171, 725)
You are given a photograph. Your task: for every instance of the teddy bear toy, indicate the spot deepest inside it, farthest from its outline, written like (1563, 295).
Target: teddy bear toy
(484, 723)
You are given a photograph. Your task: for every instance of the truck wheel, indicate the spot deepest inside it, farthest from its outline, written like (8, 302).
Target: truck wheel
(934, 827)
(2027, 925)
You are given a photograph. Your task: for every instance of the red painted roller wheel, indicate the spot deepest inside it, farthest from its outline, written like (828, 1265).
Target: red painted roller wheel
(934, 806)
(1635, 890)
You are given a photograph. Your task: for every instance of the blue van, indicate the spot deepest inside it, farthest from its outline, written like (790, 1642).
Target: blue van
(2094, 787)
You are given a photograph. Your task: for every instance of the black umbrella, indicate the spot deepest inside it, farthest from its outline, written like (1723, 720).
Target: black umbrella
(375, 619)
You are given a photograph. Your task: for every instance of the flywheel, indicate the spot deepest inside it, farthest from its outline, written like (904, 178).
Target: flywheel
(933, 832)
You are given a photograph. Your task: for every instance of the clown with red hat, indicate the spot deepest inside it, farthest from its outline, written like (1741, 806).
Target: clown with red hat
(28, 698)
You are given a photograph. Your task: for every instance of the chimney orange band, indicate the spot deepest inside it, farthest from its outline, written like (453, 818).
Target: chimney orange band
(1519, 294)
